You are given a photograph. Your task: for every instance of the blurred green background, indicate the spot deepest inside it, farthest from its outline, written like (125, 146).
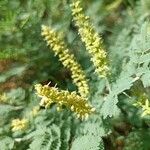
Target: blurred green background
(26, 60)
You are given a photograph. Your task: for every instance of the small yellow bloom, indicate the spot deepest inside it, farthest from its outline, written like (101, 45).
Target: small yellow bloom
(146, 108)
(35, 111)
(19, 124)
(3, 98)
(71, 100)
(67, 59)
(91, 39)
(144, 104)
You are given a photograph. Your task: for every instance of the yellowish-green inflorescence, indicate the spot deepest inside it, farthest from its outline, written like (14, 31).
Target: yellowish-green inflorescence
(145, 105)
(91, 39)
(3, 98)
(19, 124)
(71, 100)
(35, 111)
(67, 59)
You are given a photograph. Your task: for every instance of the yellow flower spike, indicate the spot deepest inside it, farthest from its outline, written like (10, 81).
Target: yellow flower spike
(19, 124)
(67, 59)
(91, 39)
(71, 100)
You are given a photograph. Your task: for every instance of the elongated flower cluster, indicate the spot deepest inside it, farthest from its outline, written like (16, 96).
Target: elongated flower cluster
(71, 100)
(91, 39)
(67, 59)
(19, 124)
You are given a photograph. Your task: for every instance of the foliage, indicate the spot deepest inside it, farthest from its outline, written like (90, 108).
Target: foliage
(121, 98)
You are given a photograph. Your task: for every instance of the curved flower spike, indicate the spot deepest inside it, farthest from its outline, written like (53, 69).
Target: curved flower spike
(71, 100)
(67, 59)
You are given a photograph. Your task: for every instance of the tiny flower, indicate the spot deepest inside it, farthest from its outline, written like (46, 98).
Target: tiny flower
(146, 108)
(19, 124)
(144, 104)
(35, 111)
(3, 98)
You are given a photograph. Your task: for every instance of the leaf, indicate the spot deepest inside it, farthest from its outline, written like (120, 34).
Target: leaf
(12, 72)
(109, 107)
(16, 96)
(6, 143)
(87, 142)
(45, 138)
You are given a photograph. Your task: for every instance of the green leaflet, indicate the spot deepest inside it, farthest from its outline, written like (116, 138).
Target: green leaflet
(6, 143)
(87, 142)
(136, 66)
(45, 139)
(16, 71)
